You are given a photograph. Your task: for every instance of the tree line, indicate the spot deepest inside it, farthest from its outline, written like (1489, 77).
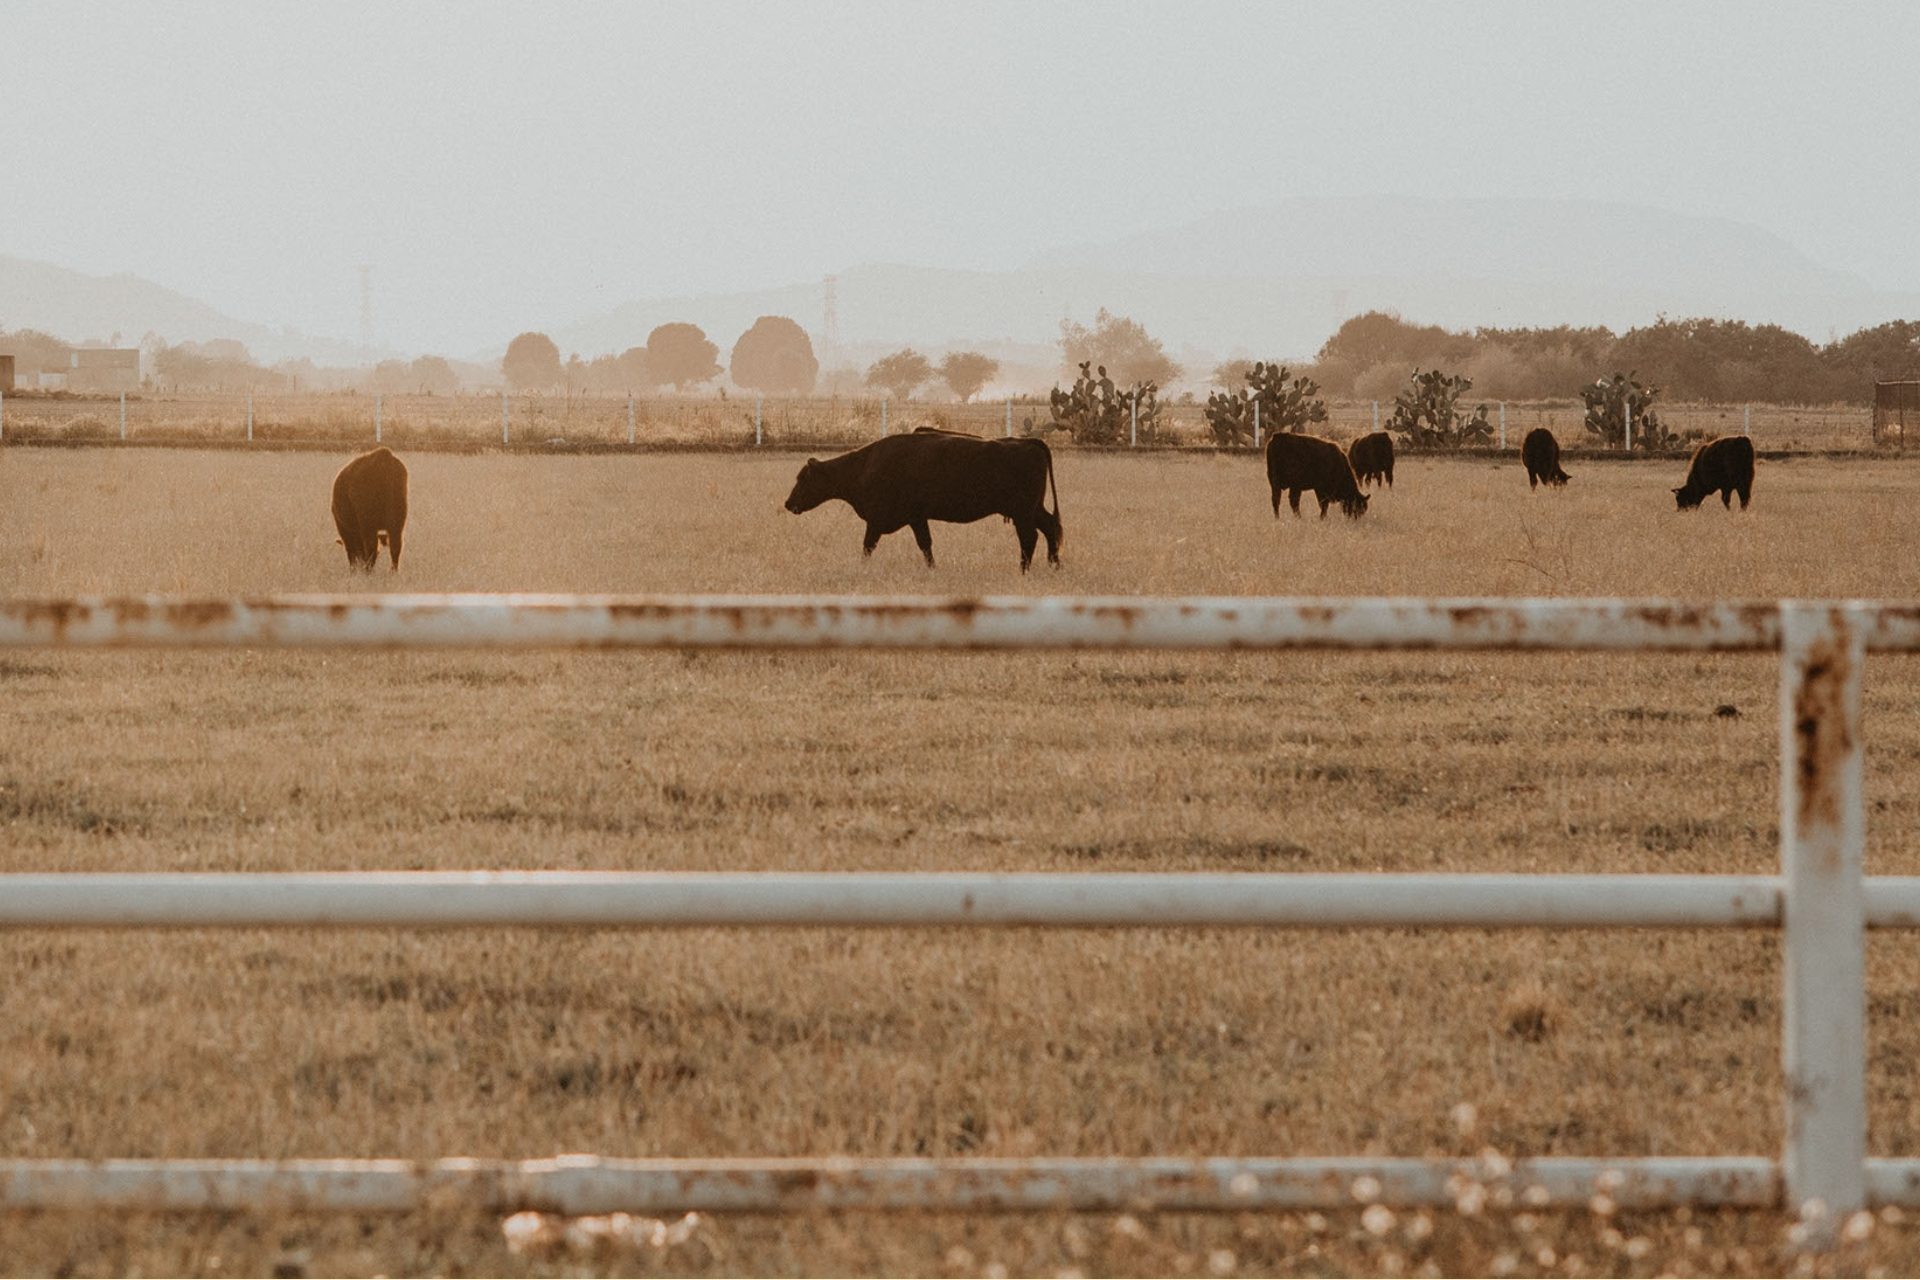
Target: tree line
(1727, 361)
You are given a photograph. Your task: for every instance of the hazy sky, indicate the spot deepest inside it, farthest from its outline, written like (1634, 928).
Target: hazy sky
(525, 165)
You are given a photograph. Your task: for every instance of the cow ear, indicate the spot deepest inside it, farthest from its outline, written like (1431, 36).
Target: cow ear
(811, 464)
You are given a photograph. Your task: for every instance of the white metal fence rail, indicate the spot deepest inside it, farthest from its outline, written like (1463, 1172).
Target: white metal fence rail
(1820, 898)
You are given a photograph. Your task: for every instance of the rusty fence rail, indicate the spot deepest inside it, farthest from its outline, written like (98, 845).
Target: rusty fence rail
(1820, 899)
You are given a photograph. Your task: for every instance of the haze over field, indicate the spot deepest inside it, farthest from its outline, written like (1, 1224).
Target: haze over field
(1239, 178)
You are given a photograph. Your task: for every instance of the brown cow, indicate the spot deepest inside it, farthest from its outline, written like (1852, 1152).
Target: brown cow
(1296, 463)
(1372, 458)
(905, 481)
(370, 507)
(1541, 454)
(1725, 464)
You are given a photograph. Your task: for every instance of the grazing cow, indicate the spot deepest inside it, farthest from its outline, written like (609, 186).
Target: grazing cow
(1725, 464)
(904, 481)
(1541, 454)
(370, 507)
(1372, 458)
(1296, 463)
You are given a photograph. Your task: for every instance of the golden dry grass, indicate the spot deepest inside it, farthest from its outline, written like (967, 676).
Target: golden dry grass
(896, 1042)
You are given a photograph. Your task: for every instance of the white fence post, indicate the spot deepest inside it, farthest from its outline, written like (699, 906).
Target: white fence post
(759, 402)
(883, 415)
(1503, 424)
(1256, 423)
(1746, 420)
(376, 418)
(1629, 410)
(503, 417)
(1376, 415)
(123, 415)
(1133, 429)
(1822, 843)
(1009, 417)
(249, 417)
(629, 417)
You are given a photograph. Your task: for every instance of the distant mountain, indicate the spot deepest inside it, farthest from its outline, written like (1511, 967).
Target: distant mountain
(1276, 280)
(1583, 245)
(86, 308)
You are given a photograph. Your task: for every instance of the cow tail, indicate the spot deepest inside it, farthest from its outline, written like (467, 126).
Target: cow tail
(1054, 487)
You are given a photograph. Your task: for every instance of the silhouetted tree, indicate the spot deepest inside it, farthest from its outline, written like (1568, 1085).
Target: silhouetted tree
(1127, 350)
(1887, 352)
(965, 372)
(634, 370)
(774, 357)
(902, 373)
(532, 363)
(680, 355)
(433, 376)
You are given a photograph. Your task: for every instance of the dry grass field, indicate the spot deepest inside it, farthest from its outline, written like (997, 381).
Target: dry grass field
(599, 422)
(710, 1043)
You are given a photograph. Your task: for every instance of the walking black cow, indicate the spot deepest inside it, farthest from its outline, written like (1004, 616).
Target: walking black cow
(905, 481)
(1725, 464)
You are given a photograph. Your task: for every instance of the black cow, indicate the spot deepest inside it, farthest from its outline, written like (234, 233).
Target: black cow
(1372, 458)
(1725, 464)
(370, 507)
(1541, 454)
(1296, 463)
(904, 481)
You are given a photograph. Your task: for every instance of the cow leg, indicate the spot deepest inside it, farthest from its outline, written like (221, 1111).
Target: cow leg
(1533, 481)
(1726, 499)
(1050, 525)
(1746, 492)
(1325, 502)
(1029, 539)
(872, 539)
(1293, 500)
(923, 536)
(393, 548)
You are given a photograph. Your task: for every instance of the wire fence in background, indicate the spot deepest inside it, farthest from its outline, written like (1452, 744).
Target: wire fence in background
(613, 422)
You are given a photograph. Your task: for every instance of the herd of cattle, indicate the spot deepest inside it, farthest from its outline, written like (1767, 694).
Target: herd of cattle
(908, 481)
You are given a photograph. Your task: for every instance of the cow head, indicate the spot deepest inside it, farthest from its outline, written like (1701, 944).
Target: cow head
(1685, 500)
(810, 488)
(1356, 506)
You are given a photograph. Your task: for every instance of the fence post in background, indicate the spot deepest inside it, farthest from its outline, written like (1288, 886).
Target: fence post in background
(883, 415)
(1822, 845)
(759, 402)
(123, 415)
(376, 418)
(1133, 428)
(1376, 415)
(1629, 429)
(1746, 420)
(249, 417)
(1256, 424)
(503, 417)
(629, 417)
(1009, 417)
(1503, 424)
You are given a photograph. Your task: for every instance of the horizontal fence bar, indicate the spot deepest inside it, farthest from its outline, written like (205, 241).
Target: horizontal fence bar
(577, 1185)
(910, 622)
(440, 899)
(915, 622)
